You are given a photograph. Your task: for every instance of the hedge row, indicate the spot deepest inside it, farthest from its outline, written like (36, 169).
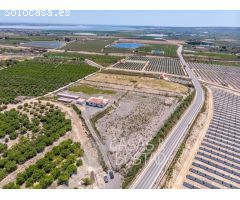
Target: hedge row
(54, 126)
(58, 164)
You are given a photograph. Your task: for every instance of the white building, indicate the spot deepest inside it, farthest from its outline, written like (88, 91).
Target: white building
(81, 101)
(68, 96)
(99, 102)
(65, 100)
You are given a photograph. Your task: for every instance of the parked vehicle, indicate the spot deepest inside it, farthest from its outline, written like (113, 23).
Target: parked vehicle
(105, 178)
(111, 175)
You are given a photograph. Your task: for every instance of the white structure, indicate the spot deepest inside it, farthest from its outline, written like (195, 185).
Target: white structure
(65, 100)
(81, 101)
(68, 96)
(99, 102)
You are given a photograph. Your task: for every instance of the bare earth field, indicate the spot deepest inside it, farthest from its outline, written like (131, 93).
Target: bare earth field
(129, 127)
(16, 57)
(144, 83)
(139, 107)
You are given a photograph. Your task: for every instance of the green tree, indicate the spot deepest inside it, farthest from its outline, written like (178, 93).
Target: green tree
(21, 178)
(86, 181)
(10, 166)
(11, 185)
(29, 183)
(46, 181)
(3, 174)
(63, 178)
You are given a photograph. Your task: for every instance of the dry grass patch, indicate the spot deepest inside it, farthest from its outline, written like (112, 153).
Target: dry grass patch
(89, 90)
(139, 82)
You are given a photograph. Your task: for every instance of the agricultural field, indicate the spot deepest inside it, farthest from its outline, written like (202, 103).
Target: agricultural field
(152, 64)
(89, 89)
(146, 84)
(222, 75)
(130, 65)
(211, 55)
(104, 60)
(170, 66)
(110, 49)
(44, 44)
(57, 166)
(26, 131)
(164, 50)
(91, 45)
(216, 62)
(13, 41)
(216, 164)
(37, 77)
(17, 39)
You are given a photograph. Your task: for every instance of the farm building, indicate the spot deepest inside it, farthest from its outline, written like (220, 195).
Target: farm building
(80, 101)
(97, 102)
(68, 96)
(65, 100)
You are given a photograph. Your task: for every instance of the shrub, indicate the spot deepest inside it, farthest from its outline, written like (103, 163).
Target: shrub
(63, 178)
(10, 166)
(21, 178)
(79, 162)
(87, 181)
(11, 186)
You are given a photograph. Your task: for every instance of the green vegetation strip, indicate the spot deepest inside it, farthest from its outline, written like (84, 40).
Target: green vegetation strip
(77, 110)
(89, 90)
(104, 60)
(58, 164)
(157, 139)
(168, 50)
(95, 45)
(35, 78)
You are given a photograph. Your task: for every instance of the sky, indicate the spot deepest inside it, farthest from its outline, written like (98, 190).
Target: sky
(139, 18)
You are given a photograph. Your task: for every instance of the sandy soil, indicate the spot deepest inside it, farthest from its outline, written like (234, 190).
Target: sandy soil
(192, 145)
(139, 82)
(13, 47)
(128, 128)
(16, 57)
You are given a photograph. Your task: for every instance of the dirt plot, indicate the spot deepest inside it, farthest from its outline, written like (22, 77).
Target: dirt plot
(130, 125)
(138, 82)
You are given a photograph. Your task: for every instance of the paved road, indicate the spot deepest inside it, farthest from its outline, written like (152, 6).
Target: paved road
(158, 163)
